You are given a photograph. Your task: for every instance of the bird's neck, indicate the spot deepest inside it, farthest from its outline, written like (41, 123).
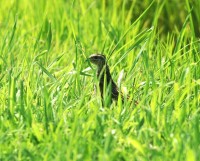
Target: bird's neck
(103, 72)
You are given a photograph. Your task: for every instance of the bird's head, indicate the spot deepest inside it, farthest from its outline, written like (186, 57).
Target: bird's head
(98, 59)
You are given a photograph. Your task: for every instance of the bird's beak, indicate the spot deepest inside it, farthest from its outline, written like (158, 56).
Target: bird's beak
(87, 60)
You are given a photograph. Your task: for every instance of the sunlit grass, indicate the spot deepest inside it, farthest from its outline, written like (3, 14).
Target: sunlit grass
(49, 108)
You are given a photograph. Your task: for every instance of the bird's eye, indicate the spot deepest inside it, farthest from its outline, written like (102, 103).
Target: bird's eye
(95, 57)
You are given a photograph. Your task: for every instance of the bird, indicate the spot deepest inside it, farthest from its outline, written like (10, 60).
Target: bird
(108, 88)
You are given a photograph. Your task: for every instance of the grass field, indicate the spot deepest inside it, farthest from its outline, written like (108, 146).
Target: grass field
(48, 107)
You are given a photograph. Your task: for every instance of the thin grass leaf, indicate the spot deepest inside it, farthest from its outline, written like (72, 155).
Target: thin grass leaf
(46, 72)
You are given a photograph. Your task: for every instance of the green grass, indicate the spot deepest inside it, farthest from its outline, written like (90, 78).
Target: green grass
(48, 107)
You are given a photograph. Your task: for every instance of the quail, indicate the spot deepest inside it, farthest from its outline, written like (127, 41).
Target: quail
(108, 88)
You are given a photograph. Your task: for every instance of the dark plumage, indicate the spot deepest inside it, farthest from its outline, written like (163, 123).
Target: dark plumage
(106, 83)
